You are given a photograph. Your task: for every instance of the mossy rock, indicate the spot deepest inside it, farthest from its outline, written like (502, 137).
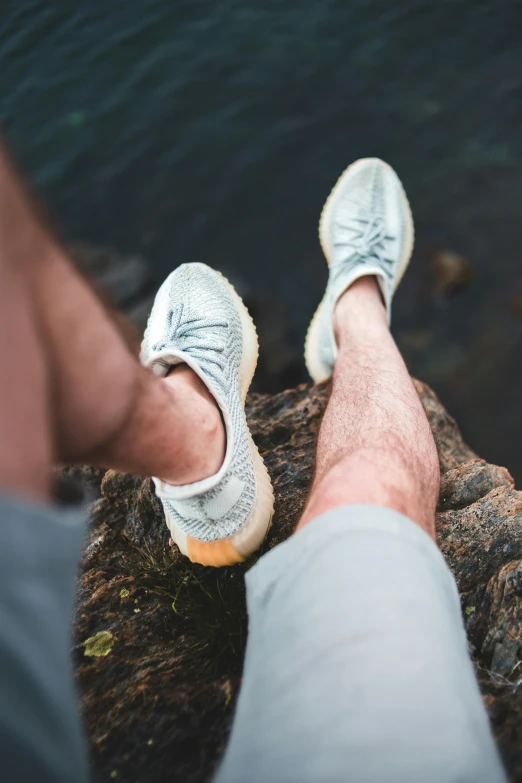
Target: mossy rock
(158, 706)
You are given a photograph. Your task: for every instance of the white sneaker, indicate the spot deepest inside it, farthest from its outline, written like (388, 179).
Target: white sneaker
(199, 319)
(366, 228)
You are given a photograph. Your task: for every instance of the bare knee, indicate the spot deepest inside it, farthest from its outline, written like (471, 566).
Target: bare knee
(388, 476)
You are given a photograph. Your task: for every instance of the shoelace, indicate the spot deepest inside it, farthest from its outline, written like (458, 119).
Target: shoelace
(368, 240)
(179, 331)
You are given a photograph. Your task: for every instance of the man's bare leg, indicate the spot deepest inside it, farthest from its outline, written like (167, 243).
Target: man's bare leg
(375, 444)
(357, 665)
(106, 409)
(88, 392)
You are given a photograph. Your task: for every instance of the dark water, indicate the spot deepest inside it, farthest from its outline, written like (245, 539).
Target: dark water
(197, 130)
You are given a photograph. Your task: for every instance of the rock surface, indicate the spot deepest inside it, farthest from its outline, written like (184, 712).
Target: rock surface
(159, 642)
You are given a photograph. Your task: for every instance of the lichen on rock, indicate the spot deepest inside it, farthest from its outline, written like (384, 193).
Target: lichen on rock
(178, 674)
(99, 644)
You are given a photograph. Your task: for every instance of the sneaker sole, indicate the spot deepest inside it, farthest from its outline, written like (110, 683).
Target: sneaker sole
(236, 548)
(312, 353)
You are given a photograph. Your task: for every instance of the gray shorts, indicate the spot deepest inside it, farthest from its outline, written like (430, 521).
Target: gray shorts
(357, 666)
(356, 669)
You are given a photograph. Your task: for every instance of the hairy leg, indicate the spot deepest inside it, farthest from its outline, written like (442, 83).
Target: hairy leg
(107, 408)
(375, 444)
(89, 399)
(357, 665)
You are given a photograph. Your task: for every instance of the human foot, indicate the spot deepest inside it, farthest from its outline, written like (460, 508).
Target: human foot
(198, 319)
(366, 228)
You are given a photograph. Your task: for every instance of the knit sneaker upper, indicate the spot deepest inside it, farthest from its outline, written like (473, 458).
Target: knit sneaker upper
(195, 320)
